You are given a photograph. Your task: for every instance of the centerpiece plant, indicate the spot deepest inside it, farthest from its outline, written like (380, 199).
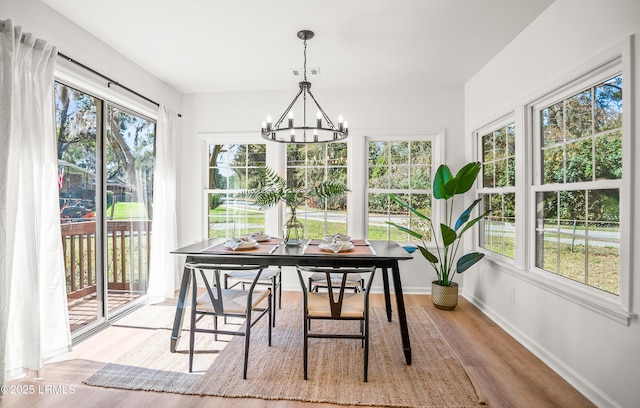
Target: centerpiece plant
(273, 189)
(447, 236)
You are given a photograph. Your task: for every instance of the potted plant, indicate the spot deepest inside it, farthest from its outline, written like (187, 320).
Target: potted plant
(272, 189)
(447, 237)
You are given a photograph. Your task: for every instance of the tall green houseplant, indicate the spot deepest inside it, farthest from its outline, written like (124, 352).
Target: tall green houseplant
(448, 235)
(273, 189)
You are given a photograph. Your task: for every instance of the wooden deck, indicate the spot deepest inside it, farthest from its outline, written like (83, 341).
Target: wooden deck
(83, 311)
(127, 266)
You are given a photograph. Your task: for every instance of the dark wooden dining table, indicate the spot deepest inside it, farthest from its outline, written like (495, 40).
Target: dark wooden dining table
(383, 255)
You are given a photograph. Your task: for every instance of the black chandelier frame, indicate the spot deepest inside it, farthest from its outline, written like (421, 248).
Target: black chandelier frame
(324, 130)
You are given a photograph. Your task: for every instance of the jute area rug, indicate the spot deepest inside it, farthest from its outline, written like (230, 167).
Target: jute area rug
(435, 379)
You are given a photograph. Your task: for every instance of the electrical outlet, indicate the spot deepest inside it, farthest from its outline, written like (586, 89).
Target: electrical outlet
(512, 294)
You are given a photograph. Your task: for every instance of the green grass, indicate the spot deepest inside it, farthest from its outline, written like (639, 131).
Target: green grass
(603, 261)
(127, 211)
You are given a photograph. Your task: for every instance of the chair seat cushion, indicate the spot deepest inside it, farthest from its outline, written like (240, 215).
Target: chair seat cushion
(234, 301)
(352, 305)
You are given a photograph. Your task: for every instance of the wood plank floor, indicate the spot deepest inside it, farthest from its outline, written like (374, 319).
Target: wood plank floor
(506, 374)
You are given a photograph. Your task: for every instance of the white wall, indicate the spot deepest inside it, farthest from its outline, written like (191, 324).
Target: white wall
(369, 111)
(42, 21)
(600, 356)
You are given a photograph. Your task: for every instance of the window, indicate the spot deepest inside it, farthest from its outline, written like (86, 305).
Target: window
(404, 168)
(577, 182)
(497, 189)
(313, 163)
(233, 168)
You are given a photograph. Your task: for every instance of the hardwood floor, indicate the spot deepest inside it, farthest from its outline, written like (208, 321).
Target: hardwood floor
(505, 373)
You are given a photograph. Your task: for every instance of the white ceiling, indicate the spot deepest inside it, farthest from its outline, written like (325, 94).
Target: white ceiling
(243, 45)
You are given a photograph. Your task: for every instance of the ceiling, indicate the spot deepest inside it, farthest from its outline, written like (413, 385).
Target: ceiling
(200, 46)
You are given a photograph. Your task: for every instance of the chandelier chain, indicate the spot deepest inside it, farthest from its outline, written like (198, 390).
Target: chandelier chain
(305, 60)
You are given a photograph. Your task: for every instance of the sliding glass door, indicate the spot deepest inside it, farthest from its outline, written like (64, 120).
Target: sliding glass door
(106, 162)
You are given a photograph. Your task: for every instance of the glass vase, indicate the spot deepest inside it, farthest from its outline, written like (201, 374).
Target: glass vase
(293, 230)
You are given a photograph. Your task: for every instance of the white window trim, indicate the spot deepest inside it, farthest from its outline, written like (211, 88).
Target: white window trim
(306, 166)
(498, 123)
(274, 214)
(617, 308)
(437, 158)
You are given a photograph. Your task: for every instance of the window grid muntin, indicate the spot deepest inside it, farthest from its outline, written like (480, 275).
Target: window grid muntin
(249, 218)
(378, 192)
(595, 184)
(497, 232)
(316, 163)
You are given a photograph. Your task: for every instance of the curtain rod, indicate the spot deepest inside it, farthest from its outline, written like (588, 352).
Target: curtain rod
(110, 81)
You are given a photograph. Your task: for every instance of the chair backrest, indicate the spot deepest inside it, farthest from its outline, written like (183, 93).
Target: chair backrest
(336, 287)
(215, 292)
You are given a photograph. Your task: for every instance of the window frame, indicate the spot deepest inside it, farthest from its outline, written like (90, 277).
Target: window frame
(303, 210)
(437, 158)
(231, 138)
(230, 191)
(615, 61)
(502, 122)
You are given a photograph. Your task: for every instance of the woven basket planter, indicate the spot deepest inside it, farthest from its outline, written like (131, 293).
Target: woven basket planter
(444, 297)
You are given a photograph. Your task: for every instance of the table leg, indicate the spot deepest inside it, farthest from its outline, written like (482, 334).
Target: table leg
(177, 321)
(402, 315)
(387, 294)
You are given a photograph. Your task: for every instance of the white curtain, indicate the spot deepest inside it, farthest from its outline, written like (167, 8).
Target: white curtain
(164, 272)
(34, 323)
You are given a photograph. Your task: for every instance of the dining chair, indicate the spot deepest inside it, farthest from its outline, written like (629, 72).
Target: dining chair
(318, 280)
(220, 302)
(337, 303)
(271, 277)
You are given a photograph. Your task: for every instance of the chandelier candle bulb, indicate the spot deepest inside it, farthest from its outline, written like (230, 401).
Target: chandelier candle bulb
(268, 123)
(291, 119)
(264, 127)
(340, 123)
(319, 120)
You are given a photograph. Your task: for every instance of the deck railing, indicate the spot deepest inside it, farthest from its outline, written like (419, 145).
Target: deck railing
(127, 260)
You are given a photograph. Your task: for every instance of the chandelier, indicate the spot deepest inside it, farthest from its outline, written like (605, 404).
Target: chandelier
(324, 130)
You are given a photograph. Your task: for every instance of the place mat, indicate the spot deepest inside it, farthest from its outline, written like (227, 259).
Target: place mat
(434, 379)
(356, 250)
(355, 242)
(265, 247)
